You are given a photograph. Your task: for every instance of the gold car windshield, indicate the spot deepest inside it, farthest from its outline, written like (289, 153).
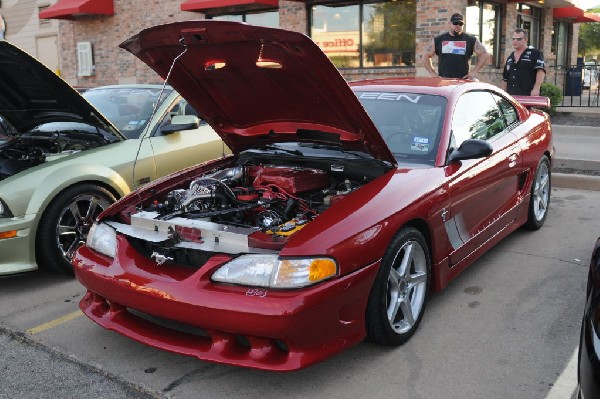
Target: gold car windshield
(129, 109)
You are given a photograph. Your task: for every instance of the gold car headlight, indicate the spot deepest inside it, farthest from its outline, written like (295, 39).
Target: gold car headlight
(4, 211)
(272, 272)
(102, 238)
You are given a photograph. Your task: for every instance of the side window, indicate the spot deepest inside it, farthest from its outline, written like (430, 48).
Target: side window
(476, 116)
(508, 110)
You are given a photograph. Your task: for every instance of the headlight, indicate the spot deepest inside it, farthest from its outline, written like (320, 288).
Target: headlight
(4, 211)
(102, 238)
(272, 272)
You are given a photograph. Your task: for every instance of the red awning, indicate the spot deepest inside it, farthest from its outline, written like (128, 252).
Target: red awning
(68, 9)
(576, 14)
(201, 5)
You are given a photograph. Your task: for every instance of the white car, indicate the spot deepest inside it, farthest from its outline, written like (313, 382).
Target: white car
(590, 75)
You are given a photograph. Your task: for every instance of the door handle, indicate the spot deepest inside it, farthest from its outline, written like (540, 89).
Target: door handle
(512, 160)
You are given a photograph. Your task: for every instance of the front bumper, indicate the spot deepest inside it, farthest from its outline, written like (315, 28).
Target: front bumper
(17, 253)
(182, 311)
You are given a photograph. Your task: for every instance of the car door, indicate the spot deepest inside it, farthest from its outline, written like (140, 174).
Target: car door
(483, 192)
(178, 150)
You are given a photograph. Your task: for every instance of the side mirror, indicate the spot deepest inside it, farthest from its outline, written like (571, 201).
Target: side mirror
(181, 122)
(471, 149)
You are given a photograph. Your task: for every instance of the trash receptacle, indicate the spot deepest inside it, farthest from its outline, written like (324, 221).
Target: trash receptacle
(574, 81)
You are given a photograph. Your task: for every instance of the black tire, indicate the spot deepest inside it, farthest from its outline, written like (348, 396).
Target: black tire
(540, 195)
(65, 224)
(393, 324)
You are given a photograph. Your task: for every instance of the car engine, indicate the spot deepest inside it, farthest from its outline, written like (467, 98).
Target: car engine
(252, 205)
(276, 199)
(18, 153)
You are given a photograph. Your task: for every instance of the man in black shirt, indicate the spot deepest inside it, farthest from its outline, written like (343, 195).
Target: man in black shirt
(524, 70)
(454, 50)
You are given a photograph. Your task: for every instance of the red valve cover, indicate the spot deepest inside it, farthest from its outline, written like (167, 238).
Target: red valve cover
(291, 180)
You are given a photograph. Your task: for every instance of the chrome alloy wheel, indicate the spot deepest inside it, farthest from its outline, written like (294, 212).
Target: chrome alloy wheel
(406, 287)
(75, 221)
(541, 191)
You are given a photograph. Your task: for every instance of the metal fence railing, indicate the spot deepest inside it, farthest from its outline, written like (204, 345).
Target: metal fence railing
(579, 84)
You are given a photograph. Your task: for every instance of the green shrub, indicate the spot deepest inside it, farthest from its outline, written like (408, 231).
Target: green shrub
(554, 93)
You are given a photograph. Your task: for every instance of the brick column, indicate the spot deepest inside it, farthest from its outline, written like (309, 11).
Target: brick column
(293, 16)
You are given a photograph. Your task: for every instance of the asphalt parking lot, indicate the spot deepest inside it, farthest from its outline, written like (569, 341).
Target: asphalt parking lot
(506, 328)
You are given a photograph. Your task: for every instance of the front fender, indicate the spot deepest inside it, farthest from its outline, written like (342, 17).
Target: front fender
(358, 229)
(61, 178)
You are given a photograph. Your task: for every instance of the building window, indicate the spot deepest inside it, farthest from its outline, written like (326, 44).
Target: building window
(269, 19)
(560, 37)
(366, 35)
(483, 21)
(529, 18)
(43, 23)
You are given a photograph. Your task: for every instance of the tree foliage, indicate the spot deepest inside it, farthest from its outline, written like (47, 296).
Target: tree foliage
(589, 38)
(391, 28)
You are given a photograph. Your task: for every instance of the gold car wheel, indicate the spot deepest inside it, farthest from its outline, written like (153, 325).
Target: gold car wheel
(66, 223)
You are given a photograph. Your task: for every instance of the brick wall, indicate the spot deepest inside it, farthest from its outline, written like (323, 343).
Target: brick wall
(114, 65)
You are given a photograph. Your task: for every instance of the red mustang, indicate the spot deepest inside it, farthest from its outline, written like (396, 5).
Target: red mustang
(340, 208)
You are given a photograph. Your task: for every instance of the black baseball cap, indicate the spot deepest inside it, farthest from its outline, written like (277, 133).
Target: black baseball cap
(457, 18)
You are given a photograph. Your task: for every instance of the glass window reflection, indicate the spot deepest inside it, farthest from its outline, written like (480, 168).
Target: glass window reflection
(374, 34)
(269, 19)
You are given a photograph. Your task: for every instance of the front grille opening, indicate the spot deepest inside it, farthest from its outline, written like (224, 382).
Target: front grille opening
(282, 345)
(181, 256)
(171, 324)
(243, 341)
(236, 344)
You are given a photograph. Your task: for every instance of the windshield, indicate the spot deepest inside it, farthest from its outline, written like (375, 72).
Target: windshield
(129, 109)
(409, 123)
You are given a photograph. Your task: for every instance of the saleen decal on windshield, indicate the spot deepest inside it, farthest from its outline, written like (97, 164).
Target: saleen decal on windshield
(390, 97)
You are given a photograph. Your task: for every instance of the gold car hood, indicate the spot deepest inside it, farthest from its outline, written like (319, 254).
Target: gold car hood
(31, 94)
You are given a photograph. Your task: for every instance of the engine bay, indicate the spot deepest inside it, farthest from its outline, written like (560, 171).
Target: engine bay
(21, 152)
(275, 199)
(254, 205)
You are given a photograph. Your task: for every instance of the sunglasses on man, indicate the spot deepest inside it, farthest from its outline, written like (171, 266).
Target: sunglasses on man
(458, 23)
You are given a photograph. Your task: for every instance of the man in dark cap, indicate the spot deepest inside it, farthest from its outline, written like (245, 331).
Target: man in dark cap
(454, 50)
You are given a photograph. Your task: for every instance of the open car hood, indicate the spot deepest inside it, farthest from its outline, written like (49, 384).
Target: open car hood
(258, 85)
(31, 94)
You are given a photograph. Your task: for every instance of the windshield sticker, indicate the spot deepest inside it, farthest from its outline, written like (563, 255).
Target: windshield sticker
(421, 140)
(420, 147)
(413, 98)
(132, 125)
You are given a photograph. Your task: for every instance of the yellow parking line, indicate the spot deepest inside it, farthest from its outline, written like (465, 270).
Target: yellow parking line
(55, 322)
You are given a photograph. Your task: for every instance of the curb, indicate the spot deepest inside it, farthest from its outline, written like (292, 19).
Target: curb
(577, 164)
(577, 113)
(579, 182)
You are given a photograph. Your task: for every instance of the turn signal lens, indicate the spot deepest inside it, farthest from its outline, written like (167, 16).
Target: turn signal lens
(296, 273)
(321, 269)
(8, 234)
(272, 272)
